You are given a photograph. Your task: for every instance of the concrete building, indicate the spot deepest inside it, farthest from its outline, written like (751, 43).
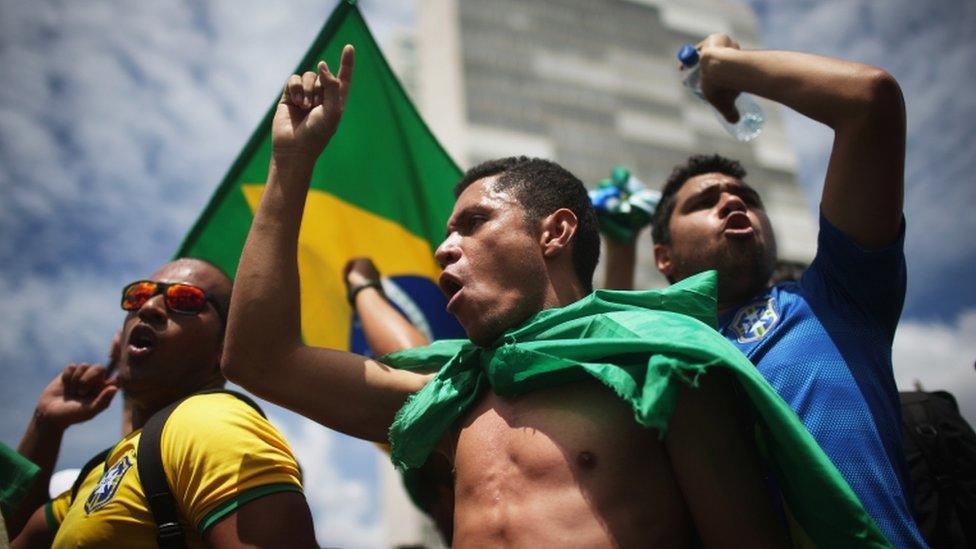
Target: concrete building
(591, 84)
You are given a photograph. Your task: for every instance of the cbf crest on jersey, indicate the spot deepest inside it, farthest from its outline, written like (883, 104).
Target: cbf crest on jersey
(755, 320)
(107, 485)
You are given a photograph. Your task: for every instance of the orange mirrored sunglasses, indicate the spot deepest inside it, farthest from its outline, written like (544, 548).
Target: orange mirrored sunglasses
(179, 297)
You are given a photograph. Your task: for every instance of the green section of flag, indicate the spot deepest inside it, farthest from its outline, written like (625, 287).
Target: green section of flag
(383, 157)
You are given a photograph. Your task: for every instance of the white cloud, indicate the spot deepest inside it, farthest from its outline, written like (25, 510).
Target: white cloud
(117, 121)
(344, 507)
(941, 357)
(930, 47)
(52, 322)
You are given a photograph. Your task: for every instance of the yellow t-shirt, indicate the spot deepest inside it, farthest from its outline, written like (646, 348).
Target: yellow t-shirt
(218, 454)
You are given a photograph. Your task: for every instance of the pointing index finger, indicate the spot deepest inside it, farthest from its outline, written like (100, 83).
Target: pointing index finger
(346, 64)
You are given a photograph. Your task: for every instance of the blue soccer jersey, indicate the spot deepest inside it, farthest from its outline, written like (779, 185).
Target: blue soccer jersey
(824, 343)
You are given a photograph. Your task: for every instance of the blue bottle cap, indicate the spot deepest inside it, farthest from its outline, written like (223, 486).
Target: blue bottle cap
(688, 55)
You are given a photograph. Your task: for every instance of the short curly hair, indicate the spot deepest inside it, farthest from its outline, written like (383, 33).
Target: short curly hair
(542, 187)
(695, 165)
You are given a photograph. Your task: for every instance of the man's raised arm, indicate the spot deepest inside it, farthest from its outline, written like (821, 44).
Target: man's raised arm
(864, 186)
(385, 328)
(264, 351)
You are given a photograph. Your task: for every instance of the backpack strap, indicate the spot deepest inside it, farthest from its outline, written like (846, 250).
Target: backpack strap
(240, 396)
(169, 532)
(85, 470)
(149, 460)
(920, 427)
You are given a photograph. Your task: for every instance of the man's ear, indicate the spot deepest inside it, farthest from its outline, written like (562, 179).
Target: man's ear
(558, 229)
(662, 257)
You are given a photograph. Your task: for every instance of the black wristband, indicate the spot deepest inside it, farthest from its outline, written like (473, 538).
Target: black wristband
(353, 290)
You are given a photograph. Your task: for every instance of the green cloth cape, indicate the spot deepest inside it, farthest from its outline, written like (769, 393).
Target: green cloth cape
(643, 346)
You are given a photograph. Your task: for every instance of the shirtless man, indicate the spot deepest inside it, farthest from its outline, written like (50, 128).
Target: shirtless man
(566, 466)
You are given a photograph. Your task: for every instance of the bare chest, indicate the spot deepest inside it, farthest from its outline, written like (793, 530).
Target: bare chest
(570, 460)
(576, 427)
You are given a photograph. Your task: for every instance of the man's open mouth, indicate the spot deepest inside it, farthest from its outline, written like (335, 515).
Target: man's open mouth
(142, 340)
(449, 284)
(738, 224)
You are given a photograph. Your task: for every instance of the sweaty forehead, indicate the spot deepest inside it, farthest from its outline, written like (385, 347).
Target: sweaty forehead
(701, 183)
(483, 193)
(193, 272)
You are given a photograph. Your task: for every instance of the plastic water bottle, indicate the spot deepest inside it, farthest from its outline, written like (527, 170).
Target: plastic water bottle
(750, 113)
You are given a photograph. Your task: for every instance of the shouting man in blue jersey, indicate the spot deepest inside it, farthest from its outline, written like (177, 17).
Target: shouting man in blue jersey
(823, 342)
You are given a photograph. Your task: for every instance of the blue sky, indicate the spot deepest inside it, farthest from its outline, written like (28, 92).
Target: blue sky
(118, 120)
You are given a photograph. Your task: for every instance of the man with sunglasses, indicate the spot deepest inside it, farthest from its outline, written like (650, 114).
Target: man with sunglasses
(232, 475)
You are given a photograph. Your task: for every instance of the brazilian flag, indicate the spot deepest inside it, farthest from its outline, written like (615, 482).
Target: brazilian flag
(382, 188)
